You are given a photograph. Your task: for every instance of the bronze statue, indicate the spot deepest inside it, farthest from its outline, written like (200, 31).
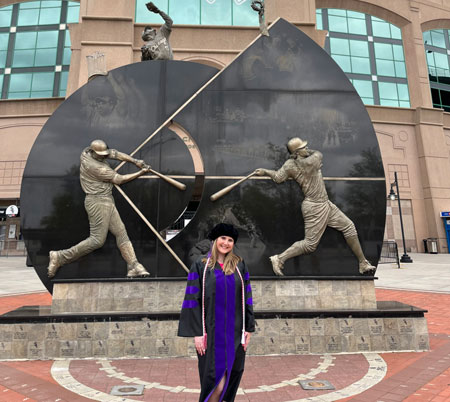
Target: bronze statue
(304, 166)
(157, 46)
(258, 6)
(97, 179)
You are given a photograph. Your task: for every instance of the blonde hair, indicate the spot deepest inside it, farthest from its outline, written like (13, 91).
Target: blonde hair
(229, 263)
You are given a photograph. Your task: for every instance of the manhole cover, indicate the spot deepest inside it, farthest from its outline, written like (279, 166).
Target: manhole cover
(316, 384)
(122, 390)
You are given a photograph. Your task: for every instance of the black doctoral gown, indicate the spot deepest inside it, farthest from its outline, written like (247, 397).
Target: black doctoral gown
(223, 320)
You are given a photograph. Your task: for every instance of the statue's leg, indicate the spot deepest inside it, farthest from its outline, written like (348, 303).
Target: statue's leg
(341, 222)
(99, 213)
(315, 216)
(117, 228)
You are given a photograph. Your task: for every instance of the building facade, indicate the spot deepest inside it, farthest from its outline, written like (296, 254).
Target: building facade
(396, 54)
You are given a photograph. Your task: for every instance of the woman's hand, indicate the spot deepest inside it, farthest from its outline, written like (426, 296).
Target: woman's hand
(200, 344)
(247, 340)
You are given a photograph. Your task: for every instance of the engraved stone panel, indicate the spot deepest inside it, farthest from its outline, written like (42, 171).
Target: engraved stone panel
(302, 344)
(346, 326)
(317, 327)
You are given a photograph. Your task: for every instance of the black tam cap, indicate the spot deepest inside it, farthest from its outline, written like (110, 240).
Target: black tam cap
(223, 229)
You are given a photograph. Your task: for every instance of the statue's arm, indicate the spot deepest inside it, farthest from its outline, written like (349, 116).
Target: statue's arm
(125, 178)
(168, 22)
(278, 176)
(120, 156)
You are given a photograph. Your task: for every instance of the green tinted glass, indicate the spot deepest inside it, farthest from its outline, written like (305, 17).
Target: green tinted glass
(217, 13)
(339, 46)
(357, 26)
(403, 93)
(381, 29)
(388, 90)
(28, 17)
(337, 11)
(42, 81)
(343, 62)
(20, 82)
(441, 60)
(337, 24)
(398, 52)
(3, 54)
(23, 58)
(50, 16)
(25, 40)
(364, 88)
(184, 11)
(29, 4)
(359, 48)
(355, 14)
(47, 39)
(243, 14)
(360, 65)
(389, 102)
(319, 19)
(73, 13)
(400, 69)
(396, 32)
(385, 68)
(437, 38)
(383, 51)
(4, 39)
(5, 17)
(45, 57)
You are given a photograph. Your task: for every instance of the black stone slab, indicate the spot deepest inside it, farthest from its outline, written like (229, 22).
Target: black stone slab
(282, 86)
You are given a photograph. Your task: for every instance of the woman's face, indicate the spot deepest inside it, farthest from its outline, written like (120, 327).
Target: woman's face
(224, 244)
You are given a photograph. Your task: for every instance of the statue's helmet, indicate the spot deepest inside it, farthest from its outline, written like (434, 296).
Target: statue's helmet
(296, 143)
(99, 147)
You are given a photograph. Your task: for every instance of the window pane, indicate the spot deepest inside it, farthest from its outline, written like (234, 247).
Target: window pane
(25, 40)
(437, 39)
(359, 48)
(45, 57)
(343, 62)
(383, 51)
(360, 65)
(389, 102)
(319, 22)
(339, 46)
(430, 60)
(66, 56)
(445, 98)
(364, 88)
(73, 14)
(3, 54)
(67, 38)
(427, 37)
(381, 29)
(43, 81)
(50, 16)
(368, 101)
(5, 17)
(396, 32)
(403, 93)
(63, 81)
(337, 24)
(400, 69)
(357, 27)
(18, 95)
(435, 96)
(355, 14)
(398, 52)
(41, 94)
(404, 104)
(185, 11)
(28, 17)
(243, 14)
(388, 90)
(23, 58)
(4, 39)
(441, 60)
(337, 11)
(47, 39)
(218, 13)
(385, 67)
(143, 15)
(50, 3)
(20, 82)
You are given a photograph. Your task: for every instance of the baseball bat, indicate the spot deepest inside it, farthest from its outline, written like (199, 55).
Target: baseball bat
(177, 184)
(227, 189)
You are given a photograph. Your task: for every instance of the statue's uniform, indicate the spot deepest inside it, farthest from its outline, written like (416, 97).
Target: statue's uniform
(159, 48)
(96, 180)
(318, 211)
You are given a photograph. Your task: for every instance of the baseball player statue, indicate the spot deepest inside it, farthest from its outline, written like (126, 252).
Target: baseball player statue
(157, 46)
(97, 179)
(304, 166)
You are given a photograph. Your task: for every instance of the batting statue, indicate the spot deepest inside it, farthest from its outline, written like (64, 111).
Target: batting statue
(304, 166)
(97, 179)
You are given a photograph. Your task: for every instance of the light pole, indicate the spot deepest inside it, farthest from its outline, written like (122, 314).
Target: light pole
(392, 196)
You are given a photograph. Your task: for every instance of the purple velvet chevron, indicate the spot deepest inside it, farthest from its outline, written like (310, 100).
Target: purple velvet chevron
(189, 304)
(250, 301)
(248, 289)
(192, 276)
(246, 276)
(192, 290)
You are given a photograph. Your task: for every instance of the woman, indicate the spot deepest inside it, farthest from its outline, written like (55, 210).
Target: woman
(218, 296)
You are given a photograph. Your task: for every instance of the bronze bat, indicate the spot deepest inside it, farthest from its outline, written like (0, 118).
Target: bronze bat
(177, 184)
(227, 189)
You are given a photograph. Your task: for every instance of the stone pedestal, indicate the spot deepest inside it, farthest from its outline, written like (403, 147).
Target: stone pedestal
(139, 318)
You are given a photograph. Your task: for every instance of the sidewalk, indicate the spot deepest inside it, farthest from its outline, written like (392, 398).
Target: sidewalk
(359, 377)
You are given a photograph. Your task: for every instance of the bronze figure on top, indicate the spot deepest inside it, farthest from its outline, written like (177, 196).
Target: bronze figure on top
(157, 46)
(304, 166)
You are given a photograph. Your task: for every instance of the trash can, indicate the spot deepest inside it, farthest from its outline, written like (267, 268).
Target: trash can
(432, 245)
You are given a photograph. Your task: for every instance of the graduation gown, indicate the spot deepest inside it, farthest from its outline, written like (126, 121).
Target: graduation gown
(223, 320)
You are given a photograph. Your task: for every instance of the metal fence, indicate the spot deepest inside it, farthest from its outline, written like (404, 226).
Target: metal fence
(389, 253)
(9, 248)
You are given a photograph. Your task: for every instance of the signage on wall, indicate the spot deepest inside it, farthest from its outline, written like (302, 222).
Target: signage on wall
(12, 211)
(445, 214)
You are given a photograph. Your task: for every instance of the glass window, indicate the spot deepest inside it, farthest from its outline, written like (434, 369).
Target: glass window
(20, 82)
(29, 4)
(360, 65)
(47, 39)
(217, 13)
(3, 54)
(396, 32)
(437, 39)
(66, 56)
(5, 16)
(41, 94)
(389, 102)
(28, 17)
(441, 60)
(73, 12)
(380, 29)
(42, 81)
(184, 11)
(343, 62)
(403, 93)
(50, 3)
(398, 52)
(50, 16)
(364, 88)
(143, 15)
(400, 69)
(337, 24)
(359, 48)
(45, 57)
(337, 11)
(4, 39)
(355, 14)
(339, 46)
(385, 67)
(357, 26)
(243, 14)
(388, 90)
(23, 58)
(383, 51)
(25, 40)
(319, 22)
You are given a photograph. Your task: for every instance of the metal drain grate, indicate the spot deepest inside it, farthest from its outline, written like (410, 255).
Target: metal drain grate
(123, 390)
(316, 385)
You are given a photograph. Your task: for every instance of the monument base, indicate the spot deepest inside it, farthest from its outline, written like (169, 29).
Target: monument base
(42, 332)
